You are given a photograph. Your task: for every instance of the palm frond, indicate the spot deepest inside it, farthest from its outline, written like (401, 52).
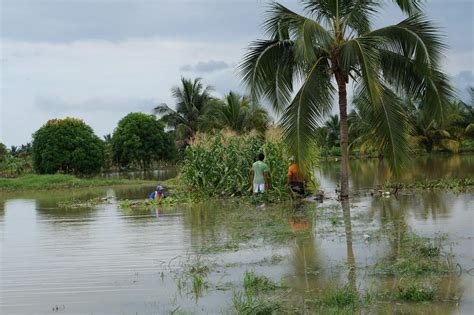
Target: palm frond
(359, 16)
(267, 69)
(409, 6)
(388, 122)
(302, 117)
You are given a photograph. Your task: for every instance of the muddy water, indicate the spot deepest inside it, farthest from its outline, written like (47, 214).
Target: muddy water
(105, 260)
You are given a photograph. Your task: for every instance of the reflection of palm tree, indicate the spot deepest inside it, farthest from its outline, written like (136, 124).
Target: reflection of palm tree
(351, 263)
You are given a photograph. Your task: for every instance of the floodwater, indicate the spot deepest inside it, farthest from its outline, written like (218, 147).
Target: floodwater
(108, 260)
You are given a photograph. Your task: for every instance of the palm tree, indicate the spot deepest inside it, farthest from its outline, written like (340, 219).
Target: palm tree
(192, 101)
(237, 113)
(311, 57)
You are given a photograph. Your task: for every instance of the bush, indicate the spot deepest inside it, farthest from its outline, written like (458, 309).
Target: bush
(140, 139)
(220, 164)
(68, 146)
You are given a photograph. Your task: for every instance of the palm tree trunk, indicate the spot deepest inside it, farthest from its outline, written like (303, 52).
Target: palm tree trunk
(341, 83)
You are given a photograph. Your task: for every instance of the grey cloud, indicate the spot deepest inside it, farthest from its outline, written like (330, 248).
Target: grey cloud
(59, 105)
(462, 82)
(206, 67)
(68, 21)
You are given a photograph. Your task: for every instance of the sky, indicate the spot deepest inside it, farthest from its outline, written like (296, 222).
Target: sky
(98, 60)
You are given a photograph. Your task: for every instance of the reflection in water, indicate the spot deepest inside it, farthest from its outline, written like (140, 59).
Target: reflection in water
(366, 174)
(351, 263)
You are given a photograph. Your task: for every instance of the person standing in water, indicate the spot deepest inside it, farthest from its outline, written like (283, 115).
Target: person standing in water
(295, 180)
(260, 175)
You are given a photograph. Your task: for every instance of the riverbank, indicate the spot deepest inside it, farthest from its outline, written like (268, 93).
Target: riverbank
(61, 181)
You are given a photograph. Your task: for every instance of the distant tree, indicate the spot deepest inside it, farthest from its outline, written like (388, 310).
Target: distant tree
(237, 113)
(141, 139)
(192, 100)
(13, 150)
(3, 152)
(67, 145)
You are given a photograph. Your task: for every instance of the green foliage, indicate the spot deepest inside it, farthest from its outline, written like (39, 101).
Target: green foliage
(61, 181)
(236, 113)
(3, 152)
(68, 146)
(415, 293)
(192, 101)
(12, 166)
(221, 164)
(245, 304)
(340, 296)
(140, 139)
(417, 256)
(254, 283)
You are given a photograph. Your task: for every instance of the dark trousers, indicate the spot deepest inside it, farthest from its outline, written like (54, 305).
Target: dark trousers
(297, 187)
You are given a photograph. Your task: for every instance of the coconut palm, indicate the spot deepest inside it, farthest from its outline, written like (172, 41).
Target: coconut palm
(237, 113)
(311, 57)
(192, 101)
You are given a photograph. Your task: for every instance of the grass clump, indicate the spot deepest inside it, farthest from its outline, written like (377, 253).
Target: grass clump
(415, 293)
(245, 304)
(61, 181)
(455, 184)
(146, 203)
(417, 255)
(340, 297)
(193, 278)
(254, 283)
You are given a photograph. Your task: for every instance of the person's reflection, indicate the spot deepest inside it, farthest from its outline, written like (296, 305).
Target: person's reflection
(157, 213)
(346, 211)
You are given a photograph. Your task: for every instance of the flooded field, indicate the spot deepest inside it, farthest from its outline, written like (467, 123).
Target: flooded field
(409, 254)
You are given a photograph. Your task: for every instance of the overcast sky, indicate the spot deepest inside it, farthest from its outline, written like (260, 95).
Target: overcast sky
(101, 59)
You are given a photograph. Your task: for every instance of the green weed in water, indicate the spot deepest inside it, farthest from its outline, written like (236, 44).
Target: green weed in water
(245, 304)
(415, 293)
(254, 283)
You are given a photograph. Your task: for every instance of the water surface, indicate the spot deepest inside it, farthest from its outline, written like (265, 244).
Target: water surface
(105, 260)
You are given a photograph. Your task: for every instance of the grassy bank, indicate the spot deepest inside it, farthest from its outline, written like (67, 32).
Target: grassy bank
(60, 181)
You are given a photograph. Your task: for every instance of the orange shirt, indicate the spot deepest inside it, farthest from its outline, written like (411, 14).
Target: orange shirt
(293, 173)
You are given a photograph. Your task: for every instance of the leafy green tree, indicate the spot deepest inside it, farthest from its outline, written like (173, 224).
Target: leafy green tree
(310, 58)
(237, 113)
(192, 101)
(140, 139)
(67, 145)
(3, 151)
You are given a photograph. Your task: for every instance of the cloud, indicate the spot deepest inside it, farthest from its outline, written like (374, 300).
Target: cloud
(462, 82)
(60, 105)
(206, 67)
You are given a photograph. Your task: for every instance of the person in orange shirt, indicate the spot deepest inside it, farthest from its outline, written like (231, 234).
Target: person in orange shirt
(295, 180)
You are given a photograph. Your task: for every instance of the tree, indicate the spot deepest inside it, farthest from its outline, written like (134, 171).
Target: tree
(192, 100)
(3, 152)
(140, 139)
(67, 145)
(237, 113)
(312, 57)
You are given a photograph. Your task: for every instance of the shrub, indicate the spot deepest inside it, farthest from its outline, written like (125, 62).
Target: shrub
(68, 146)
(220, 164)
(140, 139)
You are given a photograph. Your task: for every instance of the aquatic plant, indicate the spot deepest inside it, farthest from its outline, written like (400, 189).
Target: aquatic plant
(415, 255)
(254, 283)
(415, 293)
(245, 304)
(192, 277)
